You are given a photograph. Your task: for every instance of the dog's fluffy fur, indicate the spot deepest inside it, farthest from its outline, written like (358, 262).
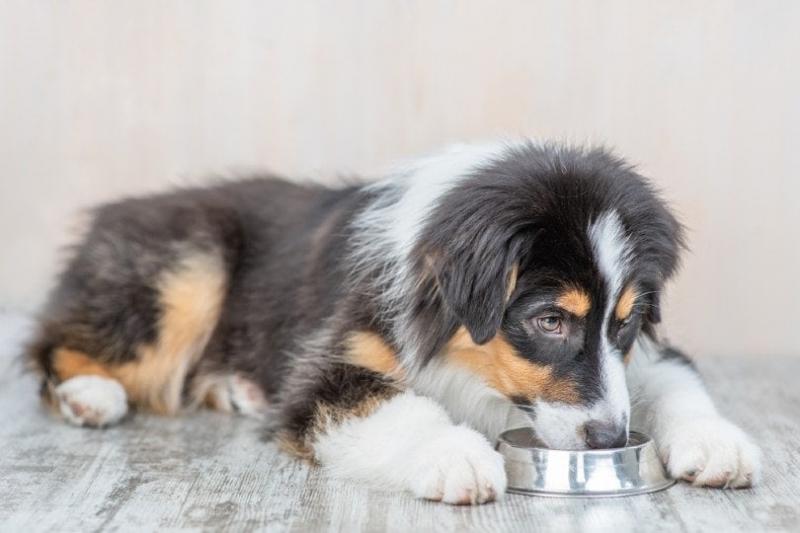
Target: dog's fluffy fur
(389, 331)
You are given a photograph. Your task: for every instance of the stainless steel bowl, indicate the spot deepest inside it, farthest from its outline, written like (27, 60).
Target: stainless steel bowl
(531, 469)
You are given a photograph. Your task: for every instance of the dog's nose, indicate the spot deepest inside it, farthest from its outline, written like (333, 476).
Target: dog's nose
(601, 434)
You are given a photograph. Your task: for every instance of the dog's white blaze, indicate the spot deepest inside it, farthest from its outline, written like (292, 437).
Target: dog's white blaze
(612, 254)
(611, 250)
(616, 402)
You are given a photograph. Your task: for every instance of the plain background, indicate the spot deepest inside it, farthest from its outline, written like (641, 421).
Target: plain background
(99, 99)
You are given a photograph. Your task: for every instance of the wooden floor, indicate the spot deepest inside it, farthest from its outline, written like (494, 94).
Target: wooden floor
(212, 472)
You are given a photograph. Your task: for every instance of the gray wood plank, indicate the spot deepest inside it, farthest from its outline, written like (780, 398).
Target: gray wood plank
(208, 471)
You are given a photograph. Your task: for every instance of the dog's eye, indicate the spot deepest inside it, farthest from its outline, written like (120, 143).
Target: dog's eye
(550, 324)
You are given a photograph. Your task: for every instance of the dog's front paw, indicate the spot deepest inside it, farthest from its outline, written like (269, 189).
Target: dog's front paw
(459, 467)
(709, 451)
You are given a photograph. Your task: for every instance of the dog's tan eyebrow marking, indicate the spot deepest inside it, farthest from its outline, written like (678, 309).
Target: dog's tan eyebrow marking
(575, 301)
(625, 303)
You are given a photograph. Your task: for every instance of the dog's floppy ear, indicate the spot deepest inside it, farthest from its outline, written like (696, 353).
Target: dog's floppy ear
(475, 279)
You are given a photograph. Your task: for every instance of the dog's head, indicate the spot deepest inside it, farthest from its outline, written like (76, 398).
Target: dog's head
(547, 264)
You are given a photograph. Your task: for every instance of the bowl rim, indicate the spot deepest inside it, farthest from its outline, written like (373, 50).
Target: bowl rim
(646, 440)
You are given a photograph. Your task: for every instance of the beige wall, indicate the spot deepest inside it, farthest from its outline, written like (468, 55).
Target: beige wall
(99, 99)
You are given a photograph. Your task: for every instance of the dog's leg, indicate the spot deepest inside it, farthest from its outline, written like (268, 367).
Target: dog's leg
(410, 443)
(399, 440)
(695, 442)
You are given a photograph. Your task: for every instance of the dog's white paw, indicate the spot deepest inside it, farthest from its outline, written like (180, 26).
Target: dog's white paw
(459, 467)
(247, 397)
(236, 394)
(92, 401)
(710, 451)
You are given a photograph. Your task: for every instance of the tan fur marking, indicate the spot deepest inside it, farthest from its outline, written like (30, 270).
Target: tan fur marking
(369, 351)
(575, 301)
(512, 281)
(502, 368)
(625, 304)
(191, 297)
(70, 363)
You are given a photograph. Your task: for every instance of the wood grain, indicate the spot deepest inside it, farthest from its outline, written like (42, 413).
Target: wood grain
(210, 471)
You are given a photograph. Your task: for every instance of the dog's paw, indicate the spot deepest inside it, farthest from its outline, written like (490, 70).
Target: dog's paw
(236, 394)
(247, 397)
(92, 401)
(709, 451)
(459, 467)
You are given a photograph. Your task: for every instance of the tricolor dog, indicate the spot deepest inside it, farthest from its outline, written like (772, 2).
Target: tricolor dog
(389, 331)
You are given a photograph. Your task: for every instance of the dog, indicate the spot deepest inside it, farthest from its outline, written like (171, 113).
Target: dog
(389, 331)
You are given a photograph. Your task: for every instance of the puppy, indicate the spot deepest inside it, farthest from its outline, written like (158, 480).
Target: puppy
(390, 331)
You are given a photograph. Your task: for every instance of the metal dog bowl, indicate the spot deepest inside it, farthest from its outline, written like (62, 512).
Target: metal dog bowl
(532, 469)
